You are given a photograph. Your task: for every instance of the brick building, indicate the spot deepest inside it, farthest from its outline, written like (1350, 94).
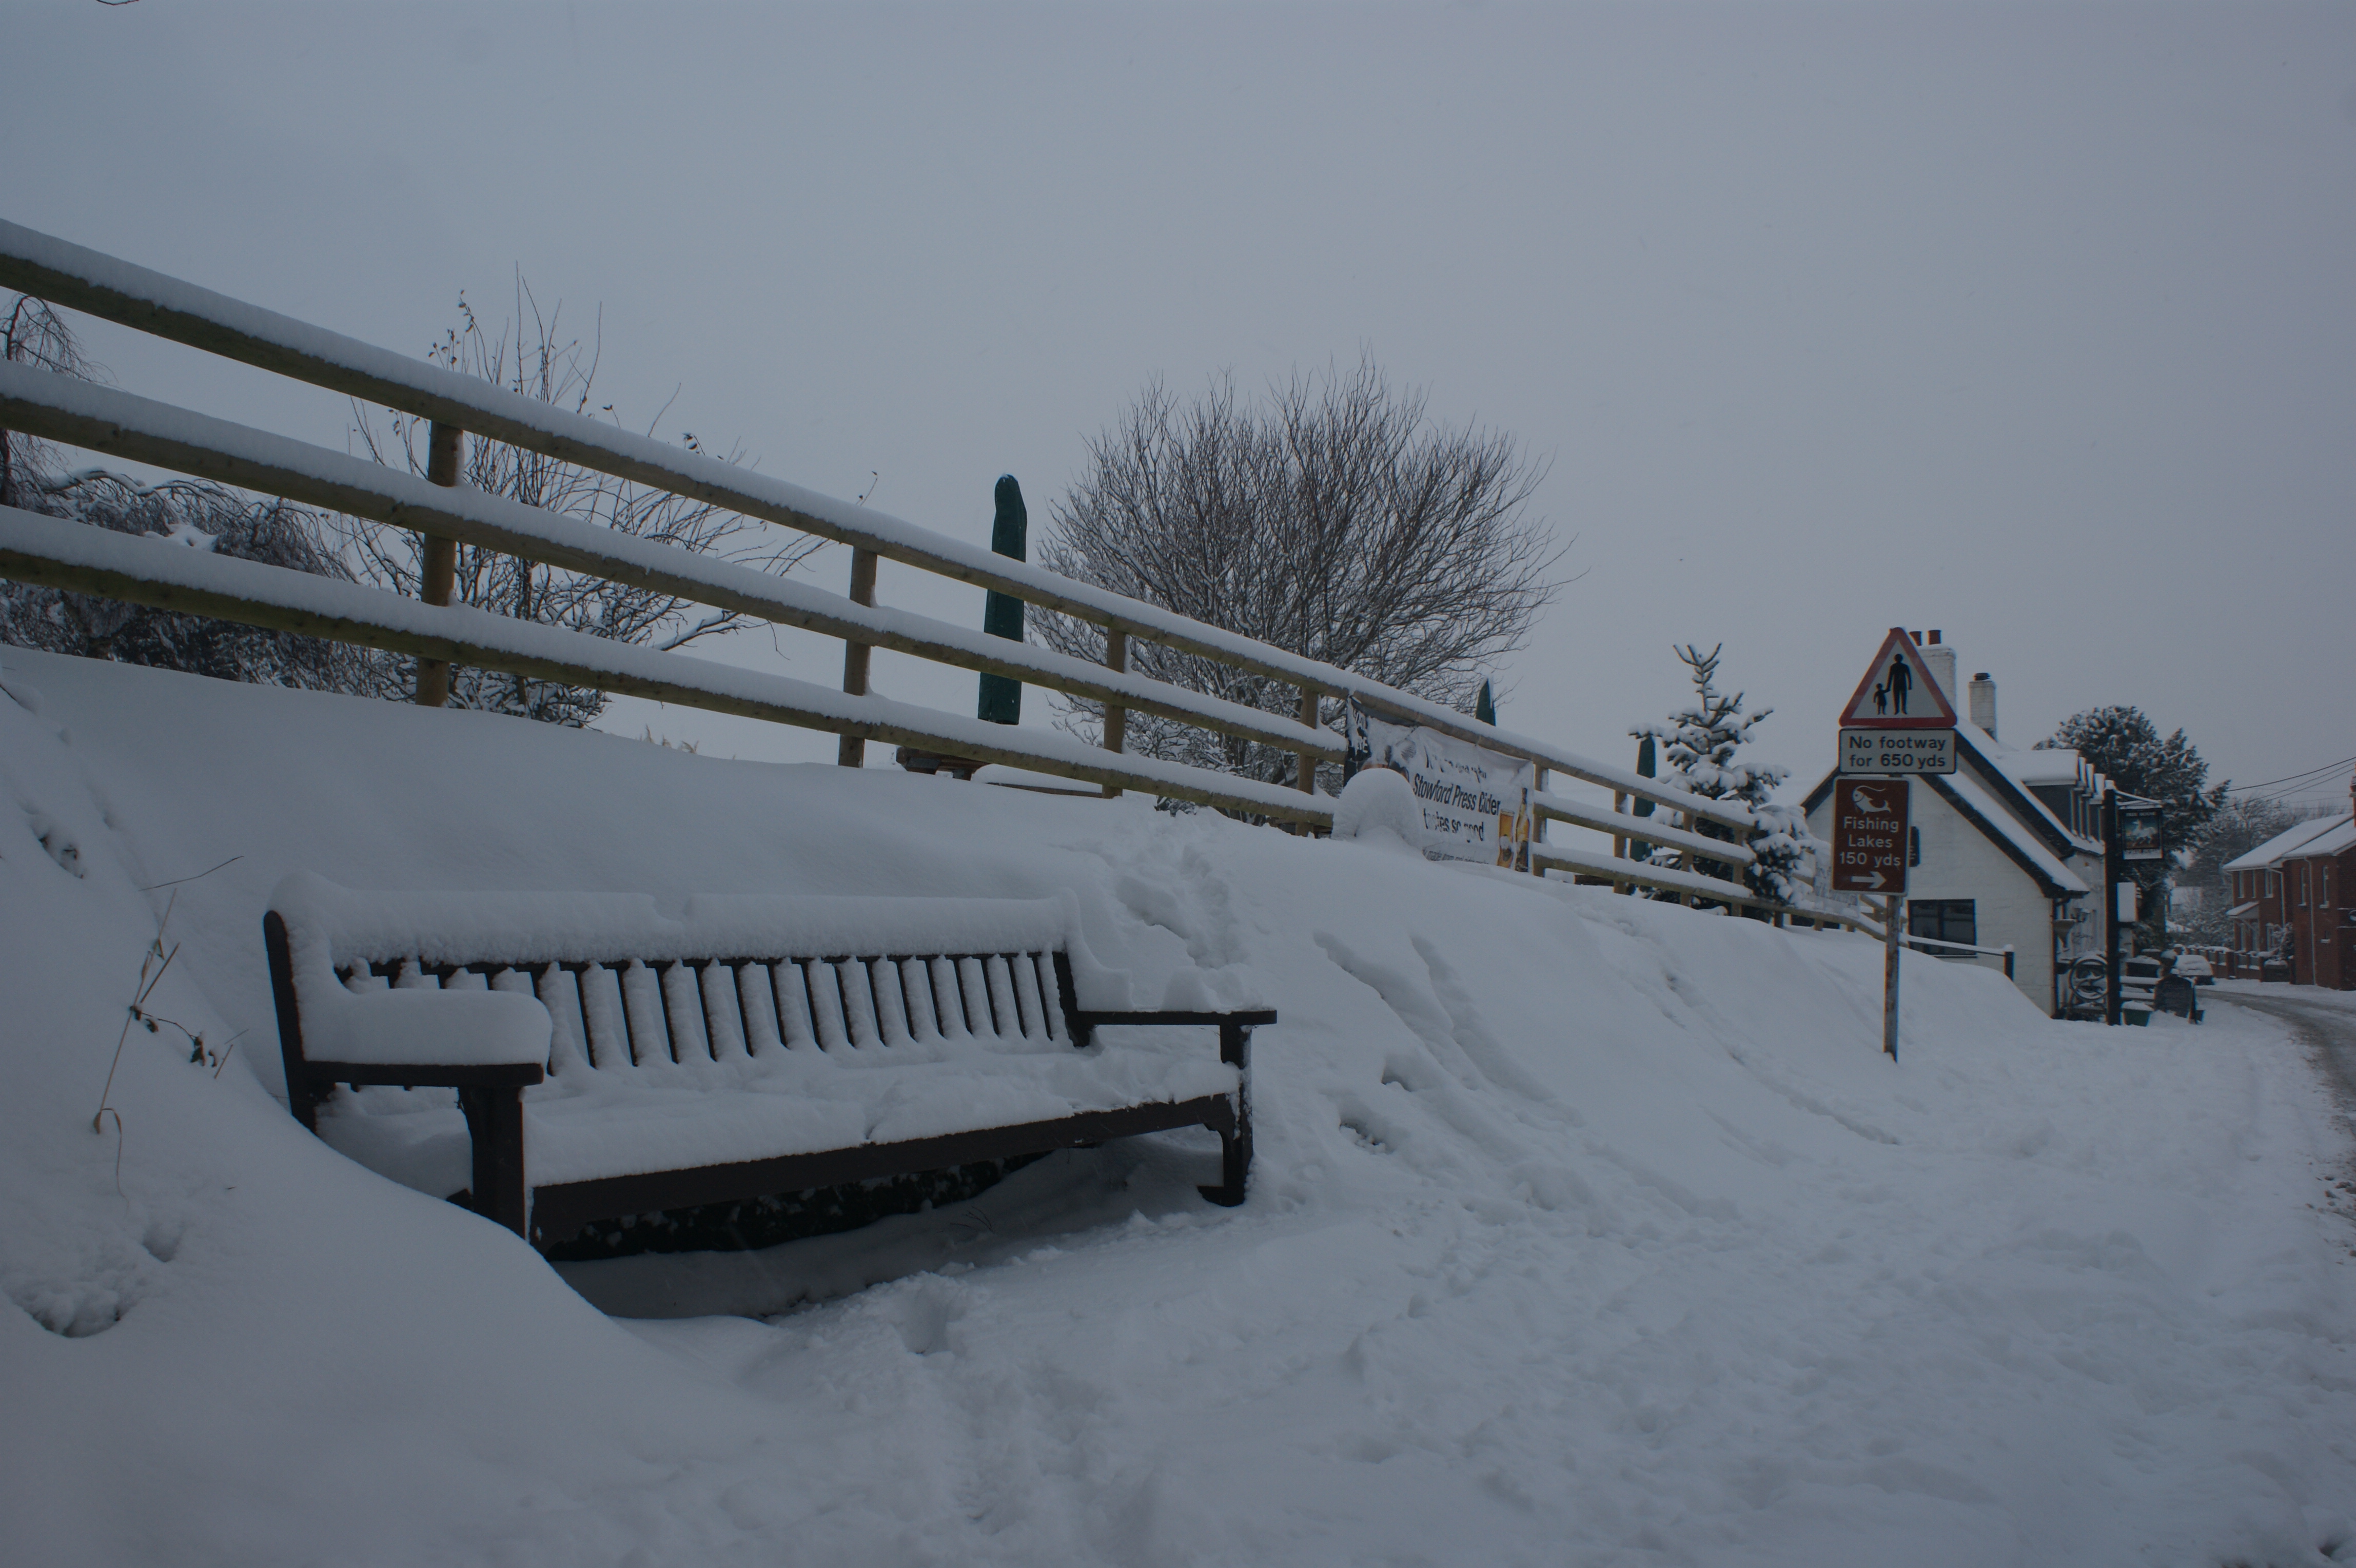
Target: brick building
(2295, 897)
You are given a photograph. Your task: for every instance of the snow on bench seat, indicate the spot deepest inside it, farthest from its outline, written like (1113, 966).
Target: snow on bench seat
(746, 1029)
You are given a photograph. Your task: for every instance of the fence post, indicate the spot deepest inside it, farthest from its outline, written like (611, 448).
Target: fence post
(851, 751)
(1305, 763)
(1540, 780)
(438, 570)
(1115, 720)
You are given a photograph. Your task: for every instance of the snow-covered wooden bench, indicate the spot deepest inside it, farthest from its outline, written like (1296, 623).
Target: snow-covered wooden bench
(611, 1061)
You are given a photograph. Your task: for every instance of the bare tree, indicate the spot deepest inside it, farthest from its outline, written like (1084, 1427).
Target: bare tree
(33, 334)
(191, 512)
(200, 516)
(1338, 522)
(540, 362)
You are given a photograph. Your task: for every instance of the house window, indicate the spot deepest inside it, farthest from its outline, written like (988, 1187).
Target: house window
(1943, 920)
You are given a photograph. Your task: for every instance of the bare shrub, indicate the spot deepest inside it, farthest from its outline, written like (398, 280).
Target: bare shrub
(542, 363)
(1337, 522)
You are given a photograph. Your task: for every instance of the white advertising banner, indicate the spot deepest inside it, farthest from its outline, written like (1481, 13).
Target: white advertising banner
(1475, 803)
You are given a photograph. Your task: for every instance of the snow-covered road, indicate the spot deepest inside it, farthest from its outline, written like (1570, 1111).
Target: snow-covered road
(2324, 1021)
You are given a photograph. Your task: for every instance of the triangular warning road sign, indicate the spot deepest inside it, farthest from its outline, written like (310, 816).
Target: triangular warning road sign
(1897, 691)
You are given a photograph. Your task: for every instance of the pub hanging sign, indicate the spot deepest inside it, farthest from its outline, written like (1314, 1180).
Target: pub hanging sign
(2139, 831)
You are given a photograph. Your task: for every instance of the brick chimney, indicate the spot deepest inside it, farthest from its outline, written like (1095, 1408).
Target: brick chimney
(1983, 701)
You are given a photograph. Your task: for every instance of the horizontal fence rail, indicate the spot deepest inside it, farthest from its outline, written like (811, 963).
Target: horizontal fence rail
(169, 576)
(1937, 946)
(76, 557)
(59, 408)
(1554, 808)
(1636, 874)
(114, 290)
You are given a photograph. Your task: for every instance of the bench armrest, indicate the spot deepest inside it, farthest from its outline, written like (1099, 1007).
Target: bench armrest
(406, 1034)
(1235, 1028)
(1250, 1018)
(430, 1075)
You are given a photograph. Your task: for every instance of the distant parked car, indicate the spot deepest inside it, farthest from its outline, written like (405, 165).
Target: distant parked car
(2196, 969)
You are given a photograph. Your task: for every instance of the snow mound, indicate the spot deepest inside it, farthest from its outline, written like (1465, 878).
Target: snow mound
(1378, 808)
(1584, 1228)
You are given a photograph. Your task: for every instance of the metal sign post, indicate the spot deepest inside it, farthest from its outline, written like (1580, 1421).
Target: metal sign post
(2131, 827)
(1890, 913)
(1869, 822)
(2113, 866)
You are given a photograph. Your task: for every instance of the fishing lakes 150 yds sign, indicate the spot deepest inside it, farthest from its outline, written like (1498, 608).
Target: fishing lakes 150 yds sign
(1870, 835)
(1475, 803)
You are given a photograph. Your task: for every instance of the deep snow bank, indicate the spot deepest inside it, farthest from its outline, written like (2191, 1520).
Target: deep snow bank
(1584, 1229)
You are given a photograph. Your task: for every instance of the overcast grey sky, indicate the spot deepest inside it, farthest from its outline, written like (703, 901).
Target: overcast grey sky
(2034, 324)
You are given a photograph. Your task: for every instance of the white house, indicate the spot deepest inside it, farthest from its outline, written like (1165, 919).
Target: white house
(2007, 851)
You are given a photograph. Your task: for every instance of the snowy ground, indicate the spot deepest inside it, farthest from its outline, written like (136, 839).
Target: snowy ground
(1584, 1231)
(2303, 996)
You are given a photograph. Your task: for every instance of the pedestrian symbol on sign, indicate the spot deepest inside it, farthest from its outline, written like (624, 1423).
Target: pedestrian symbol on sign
(1893, 684)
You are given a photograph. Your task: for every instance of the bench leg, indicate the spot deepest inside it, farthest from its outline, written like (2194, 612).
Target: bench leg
(494, 1122)
(1236, 1147)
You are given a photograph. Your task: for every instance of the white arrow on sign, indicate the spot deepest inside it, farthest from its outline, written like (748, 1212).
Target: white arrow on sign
(1879, 881)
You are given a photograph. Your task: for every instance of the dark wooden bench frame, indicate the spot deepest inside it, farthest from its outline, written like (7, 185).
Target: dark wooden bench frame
(491, 1098)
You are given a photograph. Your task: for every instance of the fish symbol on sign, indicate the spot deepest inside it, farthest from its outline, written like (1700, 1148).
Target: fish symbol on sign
(1868, 804)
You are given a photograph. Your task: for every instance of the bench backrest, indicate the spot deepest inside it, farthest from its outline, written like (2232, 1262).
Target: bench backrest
(731, 979)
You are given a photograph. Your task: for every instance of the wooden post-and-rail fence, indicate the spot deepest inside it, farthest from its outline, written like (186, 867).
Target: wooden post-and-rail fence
(438, 634)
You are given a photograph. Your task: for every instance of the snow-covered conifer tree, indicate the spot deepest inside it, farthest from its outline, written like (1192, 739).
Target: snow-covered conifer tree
(1699, 742)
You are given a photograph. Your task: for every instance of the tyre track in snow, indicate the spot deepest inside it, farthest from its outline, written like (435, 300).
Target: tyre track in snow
(2329, 1032)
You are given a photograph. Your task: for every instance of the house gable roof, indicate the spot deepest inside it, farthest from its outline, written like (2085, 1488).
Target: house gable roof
(2269, 855)
(1977, 744)
(1975, 805)
(2338, 841)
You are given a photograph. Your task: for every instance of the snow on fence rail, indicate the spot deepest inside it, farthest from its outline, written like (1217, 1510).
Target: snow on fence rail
(105, 419)
(1966, 950)
(167, 575)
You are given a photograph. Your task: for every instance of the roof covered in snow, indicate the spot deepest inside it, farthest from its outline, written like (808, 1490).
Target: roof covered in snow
(2049, 764)
(2021, 768)
(2291, 840)
(1968, 795)
(2337, 842)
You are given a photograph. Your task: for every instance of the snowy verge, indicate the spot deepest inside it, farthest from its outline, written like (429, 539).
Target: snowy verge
(1585, 1228)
